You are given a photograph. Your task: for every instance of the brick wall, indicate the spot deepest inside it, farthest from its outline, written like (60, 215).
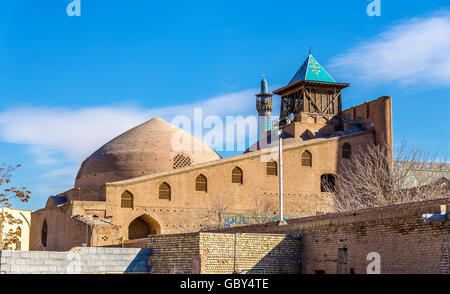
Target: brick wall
(81, 260)
(340, 243)
(185, 211)
(256, 253)
(173, 253)
(377, 112)
(219, 253)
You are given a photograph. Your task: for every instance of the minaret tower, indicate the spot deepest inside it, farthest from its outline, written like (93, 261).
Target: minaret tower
(312, 94)
(264, 108)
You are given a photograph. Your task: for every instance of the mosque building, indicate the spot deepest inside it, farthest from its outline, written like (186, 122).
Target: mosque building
(138, 184)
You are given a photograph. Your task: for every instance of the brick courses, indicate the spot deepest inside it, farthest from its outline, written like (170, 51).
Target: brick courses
(398, 233)
(218, 253)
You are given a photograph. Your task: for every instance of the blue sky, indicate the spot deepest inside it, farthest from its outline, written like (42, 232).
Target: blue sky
(69, 84)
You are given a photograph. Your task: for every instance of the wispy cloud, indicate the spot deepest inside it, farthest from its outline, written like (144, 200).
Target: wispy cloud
(74, 134)
(60, 172)
(415, 50)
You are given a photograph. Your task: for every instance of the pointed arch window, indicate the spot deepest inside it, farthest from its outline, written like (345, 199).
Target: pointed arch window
(271, 168)
(237, 175)
(44, 233)
(126, 200)
(306, 158)
(201, 184)
(164, 191)
(346, 150)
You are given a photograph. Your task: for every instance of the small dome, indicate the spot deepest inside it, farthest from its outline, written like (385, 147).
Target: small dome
(152, 147)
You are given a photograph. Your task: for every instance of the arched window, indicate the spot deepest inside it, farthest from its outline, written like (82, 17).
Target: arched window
(164, 191)
(271, 168)
(306, 158)
(237, 175)
(44, 234)
(126, 200)
(346, 150)
(201, 183)
(327, 183)
(19, 232)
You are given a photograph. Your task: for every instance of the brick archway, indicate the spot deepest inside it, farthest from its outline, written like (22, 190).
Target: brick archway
(143, 226)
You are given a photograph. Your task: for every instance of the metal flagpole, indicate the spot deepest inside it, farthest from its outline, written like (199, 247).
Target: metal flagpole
(280, 155)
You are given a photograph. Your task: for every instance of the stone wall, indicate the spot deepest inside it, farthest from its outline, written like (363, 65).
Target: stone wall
(218, 253)
(341, 242)
(81, 260)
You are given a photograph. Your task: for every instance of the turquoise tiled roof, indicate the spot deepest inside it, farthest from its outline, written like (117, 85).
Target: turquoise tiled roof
(311, 70)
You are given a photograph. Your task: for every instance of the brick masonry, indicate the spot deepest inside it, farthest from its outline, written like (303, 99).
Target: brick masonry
(80, 260)
(222, 253)
(340, 243)
(186, 209)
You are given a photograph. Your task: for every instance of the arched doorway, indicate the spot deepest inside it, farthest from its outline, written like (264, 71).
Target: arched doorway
(143, 226)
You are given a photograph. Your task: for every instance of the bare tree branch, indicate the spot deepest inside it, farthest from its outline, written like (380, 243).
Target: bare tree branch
(262, 211)
(213, 215)
(371, 178)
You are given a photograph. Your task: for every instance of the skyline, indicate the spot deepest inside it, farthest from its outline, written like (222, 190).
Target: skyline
(70, 84)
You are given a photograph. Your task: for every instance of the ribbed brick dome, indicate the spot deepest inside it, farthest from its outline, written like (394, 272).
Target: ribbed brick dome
(146, 149)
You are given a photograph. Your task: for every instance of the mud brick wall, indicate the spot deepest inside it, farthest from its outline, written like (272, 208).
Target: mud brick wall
(219, 253)
(340, 243)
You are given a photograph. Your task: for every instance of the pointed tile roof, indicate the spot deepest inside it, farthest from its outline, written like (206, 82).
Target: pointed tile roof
(311, 70)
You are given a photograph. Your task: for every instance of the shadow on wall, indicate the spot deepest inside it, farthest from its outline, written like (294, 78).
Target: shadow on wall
(140, 263)
(143, 226)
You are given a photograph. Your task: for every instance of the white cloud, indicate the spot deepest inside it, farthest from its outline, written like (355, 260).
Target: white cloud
(416, 50)
(60, 172)
(74, 134)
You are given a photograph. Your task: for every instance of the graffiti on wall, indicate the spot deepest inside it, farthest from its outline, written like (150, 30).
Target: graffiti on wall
(236, 220)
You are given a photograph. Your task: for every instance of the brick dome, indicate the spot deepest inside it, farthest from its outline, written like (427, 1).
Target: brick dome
(152, 147)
